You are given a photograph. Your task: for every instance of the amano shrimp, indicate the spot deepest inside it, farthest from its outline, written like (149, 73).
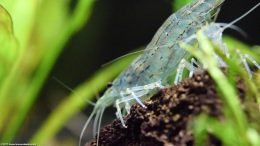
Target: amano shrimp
(149, 72)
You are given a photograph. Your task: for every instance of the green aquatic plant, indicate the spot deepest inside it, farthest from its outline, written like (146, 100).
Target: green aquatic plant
(30, 47)
(236, 123)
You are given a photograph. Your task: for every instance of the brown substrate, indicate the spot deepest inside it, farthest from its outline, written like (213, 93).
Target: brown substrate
(168, 116)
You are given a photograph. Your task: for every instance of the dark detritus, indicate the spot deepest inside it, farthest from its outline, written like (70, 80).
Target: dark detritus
(168, 116)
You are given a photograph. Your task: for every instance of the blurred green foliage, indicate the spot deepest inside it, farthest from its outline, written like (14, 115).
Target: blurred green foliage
(235, 123)
(33, 34)
(8, 51)
(180, 3)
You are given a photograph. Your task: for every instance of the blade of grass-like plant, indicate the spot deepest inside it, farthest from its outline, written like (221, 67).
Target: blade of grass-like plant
(18, 10)
(8, 53)
(232, 103)
(253, 137)
(233, 45)
(77, 20)
(252, 93)
(77, 100)
(204, 124)
(236, 44)
(177, 4)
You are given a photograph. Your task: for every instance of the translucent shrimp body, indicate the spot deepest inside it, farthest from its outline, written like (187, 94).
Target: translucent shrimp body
(161, 58)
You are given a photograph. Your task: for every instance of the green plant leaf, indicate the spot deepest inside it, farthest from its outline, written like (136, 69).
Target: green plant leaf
(180, 3)
(78, 99)
(203, 125)
(36, 66)
(8, 44)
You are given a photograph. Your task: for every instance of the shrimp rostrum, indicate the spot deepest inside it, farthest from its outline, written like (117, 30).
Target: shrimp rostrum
(150, 72)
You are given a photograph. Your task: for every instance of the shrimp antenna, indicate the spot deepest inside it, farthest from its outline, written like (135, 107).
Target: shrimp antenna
(236, 28)
(68, 88)
(86, 125)
(241, 17)
(99, 124)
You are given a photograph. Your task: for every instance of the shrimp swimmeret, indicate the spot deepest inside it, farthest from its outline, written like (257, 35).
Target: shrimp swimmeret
(163, 56)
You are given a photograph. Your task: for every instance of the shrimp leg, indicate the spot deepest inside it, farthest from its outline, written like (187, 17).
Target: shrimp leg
(243, 58)
(134, 93)
(139, 91)
(119, 113)
(185, 64)
(194, 62)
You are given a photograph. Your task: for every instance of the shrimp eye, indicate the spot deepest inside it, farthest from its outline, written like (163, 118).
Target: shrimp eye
(110, 84)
